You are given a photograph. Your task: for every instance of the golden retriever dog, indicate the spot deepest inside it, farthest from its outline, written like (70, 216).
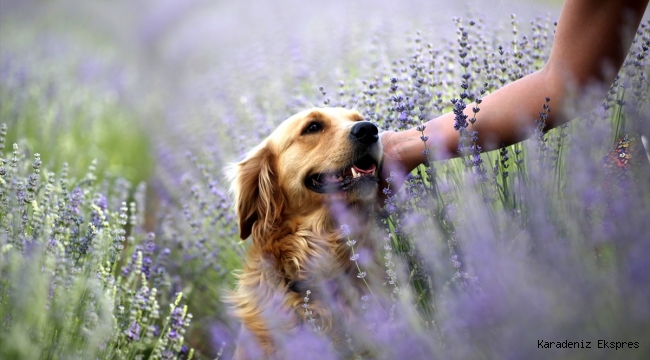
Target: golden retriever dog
(290, 194)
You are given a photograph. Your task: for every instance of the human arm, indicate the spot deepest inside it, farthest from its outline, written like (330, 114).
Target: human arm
(591, 41)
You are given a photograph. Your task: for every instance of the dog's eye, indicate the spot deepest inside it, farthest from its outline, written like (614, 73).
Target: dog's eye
(313, 127)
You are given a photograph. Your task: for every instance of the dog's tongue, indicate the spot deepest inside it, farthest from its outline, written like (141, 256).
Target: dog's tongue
(364, 171)
(332, 178)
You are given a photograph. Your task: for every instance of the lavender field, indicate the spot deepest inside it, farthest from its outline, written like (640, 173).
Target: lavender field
(118, 239)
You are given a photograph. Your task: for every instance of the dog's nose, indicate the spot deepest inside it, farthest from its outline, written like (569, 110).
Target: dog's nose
(365, 132)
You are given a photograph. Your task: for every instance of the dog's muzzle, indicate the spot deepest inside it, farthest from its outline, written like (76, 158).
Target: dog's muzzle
(364, 132)
(363, 170)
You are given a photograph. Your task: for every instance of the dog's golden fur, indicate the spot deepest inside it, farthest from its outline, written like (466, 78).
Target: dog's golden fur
(297, 244)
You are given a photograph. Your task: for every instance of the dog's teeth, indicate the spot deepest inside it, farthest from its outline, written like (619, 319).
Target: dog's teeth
(373, 173)
(354, 173)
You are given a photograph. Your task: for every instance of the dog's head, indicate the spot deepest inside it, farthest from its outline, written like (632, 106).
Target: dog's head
(314, 156)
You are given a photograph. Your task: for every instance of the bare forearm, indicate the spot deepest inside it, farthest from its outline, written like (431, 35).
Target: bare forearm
(592, 39)
(506, 117)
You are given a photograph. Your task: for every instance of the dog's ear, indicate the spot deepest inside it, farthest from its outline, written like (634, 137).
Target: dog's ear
(258, 197)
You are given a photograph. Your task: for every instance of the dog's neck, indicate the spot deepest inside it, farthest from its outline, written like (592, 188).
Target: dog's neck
(308, 253)
(347, 231)
(313, 243)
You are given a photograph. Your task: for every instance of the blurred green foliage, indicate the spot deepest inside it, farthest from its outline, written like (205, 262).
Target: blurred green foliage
(64, 101)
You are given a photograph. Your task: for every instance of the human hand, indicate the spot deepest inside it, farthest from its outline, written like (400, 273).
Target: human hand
(392, 165)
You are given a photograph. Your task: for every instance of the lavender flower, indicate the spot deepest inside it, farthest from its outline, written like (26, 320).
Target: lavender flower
(534, 237)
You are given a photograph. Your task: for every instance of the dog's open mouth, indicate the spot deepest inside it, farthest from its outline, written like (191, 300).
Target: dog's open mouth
(363, 170)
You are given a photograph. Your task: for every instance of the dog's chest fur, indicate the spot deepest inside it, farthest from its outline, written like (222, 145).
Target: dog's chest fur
(270, 297)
